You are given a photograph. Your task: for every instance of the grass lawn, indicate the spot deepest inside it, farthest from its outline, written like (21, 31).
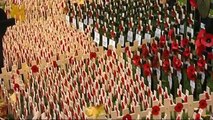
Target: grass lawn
(184, 1)
(211, 12)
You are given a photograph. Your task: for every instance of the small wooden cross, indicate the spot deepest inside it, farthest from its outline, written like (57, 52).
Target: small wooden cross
(62, 62)
(135, 46)
(119, 49)
(6, 77)
(25, 70)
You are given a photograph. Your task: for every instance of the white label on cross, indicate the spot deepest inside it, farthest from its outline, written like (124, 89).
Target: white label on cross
(188, 30)
(105, 42)
(192, 84)
(138, 38)
(121, 40)
(178, 30)
(90, 21)
(147, 37)
(158, 32)
(181, 28)
(97, 37)
(202, 25)
(112, 42)
(191, 31)
(74, 22)
(68, 20)
(138, 71)
(130, 36)
(124, 7)
(81, 26)
(85, 21)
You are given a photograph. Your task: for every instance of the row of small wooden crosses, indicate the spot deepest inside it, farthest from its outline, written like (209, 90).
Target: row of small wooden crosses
(34, 69)
(31, 42)
(71, 89)
(170, 44)
(42, 40)
(162, 57)
(116, 22)
(33, 10)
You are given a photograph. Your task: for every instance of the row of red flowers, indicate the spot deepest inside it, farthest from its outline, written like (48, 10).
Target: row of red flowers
(178, 108)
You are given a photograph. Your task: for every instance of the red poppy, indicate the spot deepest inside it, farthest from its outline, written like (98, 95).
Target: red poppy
(166, 25)
(207, 95)
(193, 3)
(150, 16)
(171, 33)
(166, 54)
(210, 56)
(145, 51)
(179, 93)
(127, 117)
(177, 63)
(130, 24)
(201, 64)
(186, 99)
(154, 48)
(149, 92)
(104, 29)
(174, 46)
(16, 87)
(17, 71)
(112, 33)
(136, 60)
(96, 25)
(109, 52)
(191, 73)
(155, 110)
(198, 42)
(126, 49)
(190, 21)
(186, 52)
(166, 66)
(165, 95)
(178, 118)
(201, 34)
(158, 22)
(160, 90)
(55, 64)
(155, 61)
(202, 104)
(72, 61)
(139, 27)
(34, 68)
(184, 42)
(92, 55)
(197, 116)
(199, 47)
(146, 69)
(121, 28)
(207, 41)
(178, 107)
(162, 41)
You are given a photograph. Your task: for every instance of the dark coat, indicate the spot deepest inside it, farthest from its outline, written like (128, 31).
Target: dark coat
(4, 23)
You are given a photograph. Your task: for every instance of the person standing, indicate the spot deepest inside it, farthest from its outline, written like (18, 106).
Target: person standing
(4, 23)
